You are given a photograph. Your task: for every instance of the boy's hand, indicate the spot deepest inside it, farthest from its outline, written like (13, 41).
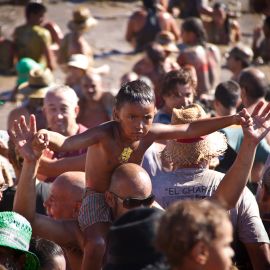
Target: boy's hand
(257, 128)
(23, 135)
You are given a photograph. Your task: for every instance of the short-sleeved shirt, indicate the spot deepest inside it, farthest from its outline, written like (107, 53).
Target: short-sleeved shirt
(182, 184)
(163, 118)
(234, 135)
(30, 41)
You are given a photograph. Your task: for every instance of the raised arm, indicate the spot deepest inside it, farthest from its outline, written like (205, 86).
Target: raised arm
(24, 202)
(58, 142)
(233, 183)
(192, 130)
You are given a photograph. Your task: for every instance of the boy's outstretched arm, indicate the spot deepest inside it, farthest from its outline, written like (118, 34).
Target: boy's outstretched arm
(233, 183)
(52, 168)
(58, 142)
(195, 129)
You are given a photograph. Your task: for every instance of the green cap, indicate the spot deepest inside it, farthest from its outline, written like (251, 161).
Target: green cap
(15, 233)
(23, 67)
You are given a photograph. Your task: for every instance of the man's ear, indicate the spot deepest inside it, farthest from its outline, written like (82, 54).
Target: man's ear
(77, 110)
(200, 253)
(109, 198)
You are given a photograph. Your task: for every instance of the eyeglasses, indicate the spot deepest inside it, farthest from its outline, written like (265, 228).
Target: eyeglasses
(3, 187)
(130, 202)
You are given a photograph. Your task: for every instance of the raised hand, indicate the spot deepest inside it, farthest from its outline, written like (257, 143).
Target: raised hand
(258, 128)
(24, 135)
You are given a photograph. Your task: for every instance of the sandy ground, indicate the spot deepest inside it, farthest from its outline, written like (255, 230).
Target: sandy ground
(107, 38)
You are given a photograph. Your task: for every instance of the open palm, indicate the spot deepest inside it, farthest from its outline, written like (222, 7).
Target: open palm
(23, 135)
(260, 124)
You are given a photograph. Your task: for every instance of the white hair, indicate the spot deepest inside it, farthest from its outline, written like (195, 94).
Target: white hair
(63, 90)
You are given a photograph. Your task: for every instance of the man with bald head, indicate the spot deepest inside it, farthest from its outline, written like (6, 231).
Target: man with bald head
(65, 197)
(254, 86)
(130, 187)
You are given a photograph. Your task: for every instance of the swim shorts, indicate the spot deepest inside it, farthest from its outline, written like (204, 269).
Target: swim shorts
(94, 209)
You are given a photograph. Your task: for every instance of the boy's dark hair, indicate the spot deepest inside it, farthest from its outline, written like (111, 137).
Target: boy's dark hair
(174, 77)
(228, 93)
(46, 251)
(134, 92)
(34, 8)
(195, 26)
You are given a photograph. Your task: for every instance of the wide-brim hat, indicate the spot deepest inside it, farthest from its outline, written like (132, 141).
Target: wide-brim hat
(39, 83)
(82, 20)
(15, 233)
(186, 152)
(131, 240)
(80, 61)
(167, 40)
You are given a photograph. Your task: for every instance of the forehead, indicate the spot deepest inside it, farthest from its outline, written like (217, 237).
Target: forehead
(56, 99)
(137, 108)
(182, 88)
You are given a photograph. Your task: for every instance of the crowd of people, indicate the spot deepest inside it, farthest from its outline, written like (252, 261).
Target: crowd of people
(172, 172)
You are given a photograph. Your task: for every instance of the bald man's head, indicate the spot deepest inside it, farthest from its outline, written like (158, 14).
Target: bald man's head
(131, 180)
(66, 194)
(128, 181)
(71, 183)
(254, 83)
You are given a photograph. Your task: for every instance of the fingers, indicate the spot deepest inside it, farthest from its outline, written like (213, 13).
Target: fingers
(32, 124)
(257, 108)
(245, 118)
(23, 125)
(16, 129)
(266, 112)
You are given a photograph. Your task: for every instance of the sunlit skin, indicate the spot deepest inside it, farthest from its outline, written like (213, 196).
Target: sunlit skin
(220, 250)
(133, 121)
(61, 112)
(95, 104)
(58, 205)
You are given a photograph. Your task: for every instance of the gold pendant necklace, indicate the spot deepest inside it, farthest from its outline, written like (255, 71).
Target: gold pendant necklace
(125, 155)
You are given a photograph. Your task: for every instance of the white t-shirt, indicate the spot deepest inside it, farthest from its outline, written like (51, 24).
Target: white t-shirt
(200, 183)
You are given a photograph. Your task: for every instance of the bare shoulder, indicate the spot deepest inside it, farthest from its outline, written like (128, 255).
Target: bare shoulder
(107, 129)
(137, 15)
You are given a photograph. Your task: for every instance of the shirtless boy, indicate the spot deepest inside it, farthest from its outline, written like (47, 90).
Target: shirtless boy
(123, 140)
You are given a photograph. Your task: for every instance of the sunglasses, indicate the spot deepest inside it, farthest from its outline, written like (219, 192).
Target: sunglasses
(130, 202)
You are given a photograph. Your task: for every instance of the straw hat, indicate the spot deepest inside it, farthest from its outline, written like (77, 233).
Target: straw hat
(167, 40)
(188, 152)
(15, 233)
(82, 20)
(40, 81)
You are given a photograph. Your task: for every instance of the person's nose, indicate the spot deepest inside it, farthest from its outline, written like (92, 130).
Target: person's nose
(59, 115)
